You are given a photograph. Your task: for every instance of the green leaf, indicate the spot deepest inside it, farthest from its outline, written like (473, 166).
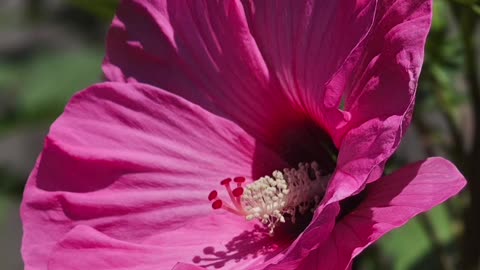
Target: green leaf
(476, 8)
(101, 8)
(466, 2)
(410, 244)
(440, 11)
(52, 78)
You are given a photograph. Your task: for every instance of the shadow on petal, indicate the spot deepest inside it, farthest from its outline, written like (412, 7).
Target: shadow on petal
(248, 245)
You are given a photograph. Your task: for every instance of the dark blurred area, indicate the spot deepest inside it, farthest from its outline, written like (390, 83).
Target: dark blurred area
(50, 49)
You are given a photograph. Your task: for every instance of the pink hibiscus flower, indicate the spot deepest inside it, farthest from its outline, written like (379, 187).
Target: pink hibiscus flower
(308, 98)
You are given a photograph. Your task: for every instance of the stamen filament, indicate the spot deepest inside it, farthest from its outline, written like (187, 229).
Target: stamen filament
(230, 194)
(271, 198)
(232, 210)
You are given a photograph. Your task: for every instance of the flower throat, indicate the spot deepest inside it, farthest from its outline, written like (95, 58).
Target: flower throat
(276, 198)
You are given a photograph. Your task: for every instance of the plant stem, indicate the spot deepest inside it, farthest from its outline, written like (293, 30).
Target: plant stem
(439, 89)
(470, 257)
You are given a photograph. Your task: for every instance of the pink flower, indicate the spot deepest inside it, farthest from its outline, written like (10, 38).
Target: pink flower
(201, 91)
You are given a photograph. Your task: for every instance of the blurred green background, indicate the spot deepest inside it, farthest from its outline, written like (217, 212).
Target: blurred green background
(51, 48)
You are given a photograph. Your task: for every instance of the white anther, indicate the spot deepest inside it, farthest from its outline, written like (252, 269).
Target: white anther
(269, 199)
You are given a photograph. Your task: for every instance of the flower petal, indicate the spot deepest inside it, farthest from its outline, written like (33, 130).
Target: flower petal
(362, 151)
(184, 266)
(206, 242)
(380, 78)
(204, 52)
(388, 204)
(304, 43)
(310, 240)
(381, 74)
(200, 50)
(131, 161)
(86, 248)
